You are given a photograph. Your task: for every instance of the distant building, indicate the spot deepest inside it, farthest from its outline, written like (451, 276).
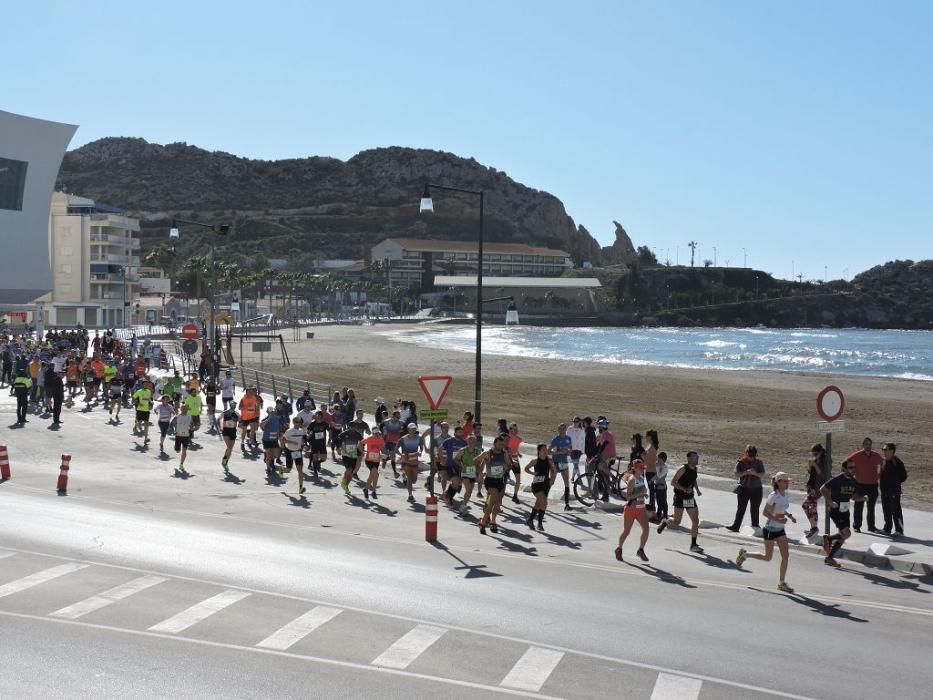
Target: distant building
(92, 249)
(410, 259)
(545, 295)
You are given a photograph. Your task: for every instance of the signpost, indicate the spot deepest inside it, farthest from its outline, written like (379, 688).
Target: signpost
(435, 389)
(190, 347)
(262, 348)
(830, 404)
(189, 331)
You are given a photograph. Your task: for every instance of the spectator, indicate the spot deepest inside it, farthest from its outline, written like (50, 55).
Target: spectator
(893, 474)
(749, 471)
(867, 470)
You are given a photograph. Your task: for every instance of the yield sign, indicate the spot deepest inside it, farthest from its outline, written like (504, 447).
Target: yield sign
(435, 388)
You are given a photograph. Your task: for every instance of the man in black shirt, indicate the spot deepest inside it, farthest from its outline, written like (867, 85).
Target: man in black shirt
(893, 474)
(839, 492)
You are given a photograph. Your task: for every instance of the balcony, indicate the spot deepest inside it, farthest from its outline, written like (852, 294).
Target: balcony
(113, 278)
(128, 260)
(112, 239)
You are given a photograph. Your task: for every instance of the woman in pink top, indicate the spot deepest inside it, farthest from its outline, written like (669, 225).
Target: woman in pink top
(650, 458)
(514, 443)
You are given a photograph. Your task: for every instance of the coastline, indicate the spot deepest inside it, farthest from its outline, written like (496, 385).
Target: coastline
(715, 412)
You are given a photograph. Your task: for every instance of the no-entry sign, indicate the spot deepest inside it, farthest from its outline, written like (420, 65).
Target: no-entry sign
(189, 331)
(830, 403)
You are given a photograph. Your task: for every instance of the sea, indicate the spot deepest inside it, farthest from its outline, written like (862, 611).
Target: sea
(884, 353)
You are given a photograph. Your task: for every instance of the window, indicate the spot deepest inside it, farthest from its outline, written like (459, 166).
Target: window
(65, 268)
(12, 183)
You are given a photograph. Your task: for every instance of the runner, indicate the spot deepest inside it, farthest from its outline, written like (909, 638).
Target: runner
(72, 374)
(373, 448)
(449, 449)
(350, 454)
(685, 493)
(775, 511)
(513, 444)
(561, 448)
(193, 402)
(305, 402)
(227, 390)
(636, 492)
(491, 466)
(660, 488)
(840, 492)
(210, 398)
(393, 432)
(815, 477)
(165, 412)
(466, 467)
(173, 387)
(229, 420)
(250, 406)
(335, 415)
(317, 440)
(271, 430)
(110, 373)
(543, 471)
(182, 435)
(116, 396)
(293, 441)
(410, 446)
(142, 400)
(436, 442)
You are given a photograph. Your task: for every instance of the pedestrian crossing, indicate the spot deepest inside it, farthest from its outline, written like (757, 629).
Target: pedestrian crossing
(187, 609)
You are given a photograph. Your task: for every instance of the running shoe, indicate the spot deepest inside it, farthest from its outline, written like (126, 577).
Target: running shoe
(494, 528)
(530, 523)
(662, 526)
(743, 555)
(618, 554)
(829, 561)
(482, 529)
(345, 486)
(540, 527)
(301, 490)
(375, 497)
(785, 588)
(696, 548)
(567, 506)
(411, 499)
(812, 531)
(641, 555)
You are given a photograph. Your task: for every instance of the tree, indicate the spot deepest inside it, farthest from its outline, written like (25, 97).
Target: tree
(645, 256)
(707, 263)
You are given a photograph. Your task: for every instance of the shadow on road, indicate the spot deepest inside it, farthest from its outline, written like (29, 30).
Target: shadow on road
(472, 570)
(661, 574)
(710, 560)
(879, 580)
(300, 502)
(825, 609)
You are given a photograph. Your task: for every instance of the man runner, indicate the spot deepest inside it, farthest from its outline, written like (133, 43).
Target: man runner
(685, 493)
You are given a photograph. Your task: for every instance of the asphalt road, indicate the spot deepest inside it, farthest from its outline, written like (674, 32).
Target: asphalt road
(142, 583)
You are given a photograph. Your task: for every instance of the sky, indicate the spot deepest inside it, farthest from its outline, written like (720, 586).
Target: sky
(794, 137)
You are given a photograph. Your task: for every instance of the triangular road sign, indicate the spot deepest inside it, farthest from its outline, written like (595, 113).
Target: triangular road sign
(435, 388)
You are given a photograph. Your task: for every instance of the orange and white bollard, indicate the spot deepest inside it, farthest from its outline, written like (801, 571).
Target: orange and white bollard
(63, 476)
(4, 464)
(430, 519)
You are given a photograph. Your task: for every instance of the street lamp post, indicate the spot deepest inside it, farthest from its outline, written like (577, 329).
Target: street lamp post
(223, 230)
(427, 207)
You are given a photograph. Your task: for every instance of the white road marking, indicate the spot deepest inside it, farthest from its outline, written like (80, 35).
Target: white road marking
(198, 612)
(532, 670)
(409, 647)
(102, 600)
(299, 628)
(4, 555)
(39, 577)
(670, 687)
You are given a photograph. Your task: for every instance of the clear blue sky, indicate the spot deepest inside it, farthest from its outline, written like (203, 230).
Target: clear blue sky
(801, 131)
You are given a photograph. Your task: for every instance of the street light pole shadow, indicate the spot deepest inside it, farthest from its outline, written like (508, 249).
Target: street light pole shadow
(472, 571)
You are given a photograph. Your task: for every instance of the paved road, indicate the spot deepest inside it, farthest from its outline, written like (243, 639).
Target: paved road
(209, 586)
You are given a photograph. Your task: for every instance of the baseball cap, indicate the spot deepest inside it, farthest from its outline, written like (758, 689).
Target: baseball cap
(379, 399)
(782, 476)
(602, 422)
(412, 425)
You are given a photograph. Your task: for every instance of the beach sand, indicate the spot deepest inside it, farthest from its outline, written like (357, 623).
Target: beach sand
(714, 412)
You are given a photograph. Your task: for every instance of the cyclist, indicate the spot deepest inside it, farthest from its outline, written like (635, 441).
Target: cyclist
(605, 455)
(685, 493)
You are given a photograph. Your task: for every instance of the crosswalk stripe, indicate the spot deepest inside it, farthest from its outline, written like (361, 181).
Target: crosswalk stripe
(102, 600)
(39, 577)
(198, 612)
(671, 687)
(299, 628)
(409, 647)
(533, 669)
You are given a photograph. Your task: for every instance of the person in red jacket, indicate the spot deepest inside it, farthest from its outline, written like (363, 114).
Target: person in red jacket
(867, 471)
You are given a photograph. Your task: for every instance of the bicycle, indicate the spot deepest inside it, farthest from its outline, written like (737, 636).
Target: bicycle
(591, 486)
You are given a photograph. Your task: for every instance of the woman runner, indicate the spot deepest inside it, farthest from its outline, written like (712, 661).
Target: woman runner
(410, 447)
(636, 491)
(776, 512)
(492, 463)
(543, 473)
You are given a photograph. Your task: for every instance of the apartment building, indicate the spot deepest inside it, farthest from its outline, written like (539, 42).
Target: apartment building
(94, 256)
(409, 259)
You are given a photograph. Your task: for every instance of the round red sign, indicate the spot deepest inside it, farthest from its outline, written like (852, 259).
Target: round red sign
(830, 403)
(190, 331)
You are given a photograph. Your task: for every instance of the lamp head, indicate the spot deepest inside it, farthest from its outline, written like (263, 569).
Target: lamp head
(173, 232)
(427, 204)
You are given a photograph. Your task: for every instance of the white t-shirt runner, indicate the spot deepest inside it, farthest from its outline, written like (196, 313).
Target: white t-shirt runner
(294, 439)
(164, 412)
(183, 426)
(227, 386)
(779, 505)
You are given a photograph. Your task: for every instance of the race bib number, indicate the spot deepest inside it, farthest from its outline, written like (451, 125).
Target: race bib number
(349, 450)
(318, 435)
(690, 503)
(496, 471)
(539, 479)
(373, 456)
(229, 424)
(844, 507)
(469, 471)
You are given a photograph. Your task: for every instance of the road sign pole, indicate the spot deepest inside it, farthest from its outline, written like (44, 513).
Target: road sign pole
(827, 473)
(433, 461)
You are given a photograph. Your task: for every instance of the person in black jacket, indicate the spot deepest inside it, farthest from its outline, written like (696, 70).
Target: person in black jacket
(893, 474)
(55, 393)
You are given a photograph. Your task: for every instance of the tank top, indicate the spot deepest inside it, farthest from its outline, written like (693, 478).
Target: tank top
(688, 479)
(639, 491)
(496, 467)
(468, 460)
(542, 471)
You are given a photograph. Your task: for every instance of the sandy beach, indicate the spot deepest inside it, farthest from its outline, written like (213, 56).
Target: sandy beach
(712, 411)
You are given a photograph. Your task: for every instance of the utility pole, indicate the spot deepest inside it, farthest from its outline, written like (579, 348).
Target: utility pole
(744, 258)
(715, 260)
(693, 249)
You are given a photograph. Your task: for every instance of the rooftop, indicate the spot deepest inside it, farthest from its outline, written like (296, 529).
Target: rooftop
(433, 246)
(554, 282)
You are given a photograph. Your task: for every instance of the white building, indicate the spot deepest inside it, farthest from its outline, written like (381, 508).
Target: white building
(93, 251)
(410, 258)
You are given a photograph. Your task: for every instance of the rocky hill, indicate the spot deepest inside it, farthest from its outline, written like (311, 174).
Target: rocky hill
(318, 206)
